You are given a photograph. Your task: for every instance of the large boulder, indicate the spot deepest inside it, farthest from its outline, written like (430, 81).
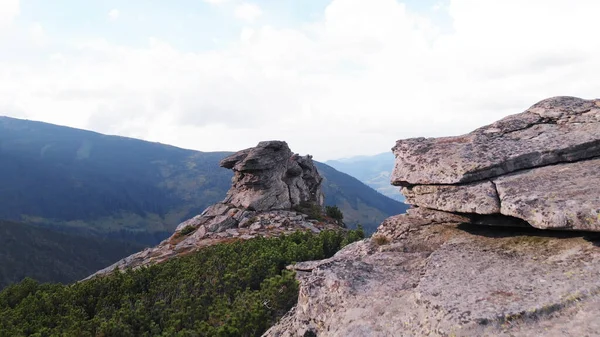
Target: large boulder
(541, 166)
(269, 176)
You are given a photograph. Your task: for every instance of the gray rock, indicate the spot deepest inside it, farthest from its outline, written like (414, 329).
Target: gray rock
(271, 177)
(565, 196)
(556, 130)
(221, 223)
(480, 198)
(441, 280)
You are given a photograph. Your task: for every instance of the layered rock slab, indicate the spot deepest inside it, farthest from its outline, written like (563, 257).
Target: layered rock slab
(444, 279)
(541, 166)
(556, 130)
(565, 196)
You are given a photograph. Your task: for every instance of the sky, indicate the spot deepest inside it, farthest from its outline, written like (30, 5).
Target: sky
(334, 78)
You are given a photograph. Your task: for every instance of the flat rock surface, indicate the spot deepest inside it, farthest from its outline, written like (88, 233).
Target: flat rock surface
(559, 129)
(452, 280)
(565, 196)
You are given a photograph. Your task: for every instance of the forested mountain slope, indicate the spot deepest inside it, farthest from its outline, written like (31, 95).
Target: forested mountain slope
(45, 255)
(78, 180)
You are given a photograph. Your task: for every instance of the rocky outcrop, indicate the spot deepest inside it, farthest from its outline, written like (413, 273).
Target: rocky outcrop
(451, 280)
(274, 192)
(556, 130)
(540, 166)
(467, 260)
(270, 177)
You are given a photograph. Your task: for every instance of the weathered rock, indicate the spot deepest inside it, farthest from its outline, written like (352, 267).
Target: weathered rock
(451, 280)
(437, 271)
(479, 198)
(540, 166)
(565, 196)
(556, 130)
(270, 177)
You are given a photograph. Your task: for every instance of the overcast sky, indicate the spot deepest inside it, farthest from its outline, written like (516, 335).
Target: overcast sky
(334, 78)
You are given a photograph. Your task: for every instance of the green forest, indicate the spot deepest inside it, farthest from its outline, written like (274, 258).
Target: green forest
(234, 289)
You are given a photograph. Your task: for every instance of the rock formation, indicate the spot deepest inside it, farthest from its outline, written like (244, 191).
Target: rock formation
(539, 166)
(440, 271)
(273, 192)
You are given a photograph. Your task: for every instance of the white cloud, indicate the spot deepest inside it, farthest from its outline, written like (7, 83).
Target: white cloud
(9, 10)
(366, 74)
(38, 34)
(216, 2)
(114, 14)
(248, 12)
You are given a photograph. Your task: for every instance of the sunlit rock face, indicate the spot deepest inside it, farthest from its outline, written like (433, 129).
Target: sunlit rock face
(542, 166)
(473, 256)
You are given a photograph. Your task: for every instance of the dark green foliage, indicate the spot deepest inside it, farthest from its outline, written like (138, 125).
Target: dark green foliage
(334, 212)
(187, 230)
(312, 210)
(236, 289)
(50, 256)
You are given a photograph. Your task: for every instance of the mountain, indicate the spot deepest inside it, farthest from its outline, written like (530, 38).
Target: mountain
(49, 256)
(359, 203)
(86, 182)
(374, 171)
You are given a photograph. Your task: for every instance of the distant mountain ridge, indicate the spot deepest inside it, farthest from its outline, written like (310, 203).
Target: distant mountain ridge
(374, 171)
(83, 181)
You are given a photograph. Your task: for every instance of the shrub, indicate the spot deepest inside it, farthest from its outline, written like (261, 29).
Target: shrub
(187, 230)
(312, 210)
(334, 212)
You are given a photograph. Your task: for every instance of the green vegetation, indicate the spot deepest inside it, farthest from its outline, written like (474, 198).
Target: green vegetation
(49, 256)
(187, 230)
(312, 210)
(334, 212)
(235, 289)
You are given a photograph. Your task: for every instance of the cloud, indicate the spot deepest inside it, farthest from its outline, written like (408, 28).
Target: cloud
(248, 12)
(216, 2)
(38, 34)
(114, 14)
(365, 74)
(9, 10)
